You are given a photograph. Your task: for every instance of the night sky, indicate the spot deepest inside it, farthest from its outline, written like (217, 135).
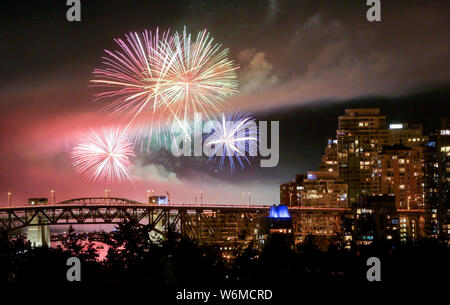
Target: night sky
(301, 63)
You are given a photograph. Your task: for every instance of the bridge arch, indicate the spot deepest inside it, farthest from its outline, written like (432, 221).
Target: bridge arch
(98, 200)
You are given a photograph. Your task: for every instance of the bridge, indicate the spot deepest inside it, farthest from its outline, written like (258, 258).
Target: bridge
(214, 223)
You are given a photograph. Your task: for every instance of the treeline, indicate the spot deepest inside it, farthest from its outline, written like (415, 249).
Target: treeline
(178, 262)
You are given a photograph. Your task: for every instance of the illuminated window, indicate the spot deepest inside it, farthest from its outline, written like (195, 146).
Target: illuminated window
(395, 126)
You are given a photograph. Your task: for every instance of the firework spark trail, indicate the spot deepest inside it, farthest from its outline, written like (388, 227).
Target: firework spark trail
(198, 76)
(233, 138)
(159, 80)
(105, 155)
(130, 78)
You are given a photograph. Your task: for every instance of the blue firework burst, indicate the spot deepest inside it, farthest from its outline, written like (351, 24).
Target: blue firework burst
(233, 138)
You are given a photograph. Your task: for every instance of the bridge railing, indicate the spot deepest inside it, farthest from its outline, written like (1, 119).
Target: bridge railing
(122, 201)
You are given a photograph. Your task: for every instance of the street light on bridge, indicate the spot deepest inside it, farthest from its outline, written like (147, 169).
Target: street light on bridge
(9, 198)
(151, 199)
(52, 196)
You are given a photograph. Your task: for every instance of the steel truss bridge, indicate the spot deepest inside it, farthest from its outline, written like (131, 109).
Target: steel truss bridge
(216, 223)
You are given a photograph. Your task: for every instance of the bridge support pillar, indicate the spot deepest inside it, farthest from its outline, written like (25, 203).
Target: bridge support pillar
(39, 235)
(158, 225)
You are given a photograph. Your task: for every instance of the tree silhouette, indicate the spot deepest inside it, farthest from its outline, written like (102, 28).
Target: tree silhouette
(175, 261)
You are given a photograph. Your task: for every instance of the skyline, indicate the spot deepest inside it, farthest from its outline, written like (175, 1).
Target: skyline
(46, 103)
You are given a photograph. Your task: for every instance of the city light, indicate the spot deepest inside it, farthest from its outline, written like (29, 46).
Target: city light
(280, 211)
(395, 126)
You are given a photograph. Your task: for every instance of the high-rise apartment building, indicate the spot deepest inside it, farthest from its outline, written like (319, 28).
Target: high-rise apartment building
(400, 169)
(431, 186)
(401, 133)
(437, 182)
(360, 138)
(443, 155)
(324, 189)
(375, 218)
(329, 159)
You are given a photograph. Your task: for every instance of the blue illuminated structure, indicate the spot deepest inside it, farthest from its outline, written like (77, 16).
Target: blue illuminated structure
(280, 211)
(312, 176)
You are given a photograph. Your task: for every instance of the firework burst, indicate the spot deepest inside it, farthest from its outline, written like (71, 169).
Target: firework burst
(130, 79)
(197, 76)
(106, 155)
(157, 80)
(231, 139)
